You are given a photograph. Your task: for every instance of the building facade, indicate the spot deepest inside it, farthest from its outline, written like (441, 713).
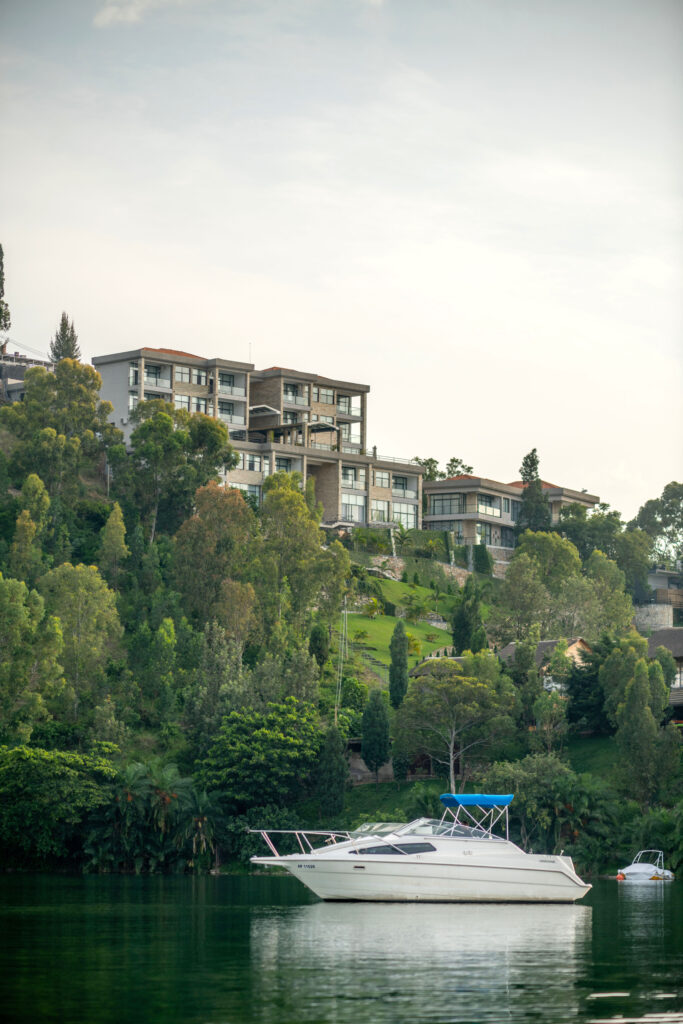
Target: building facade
(481, 511)
(278, 420)
(13, 367)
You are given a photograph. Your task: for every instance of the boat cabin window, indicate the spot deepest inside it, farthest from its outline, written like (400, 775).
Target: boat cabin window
(397, 848)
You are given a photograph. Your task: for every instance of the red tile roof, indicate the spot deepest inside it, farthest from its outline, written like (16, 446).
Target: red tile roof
(544, 484)
(172, 352)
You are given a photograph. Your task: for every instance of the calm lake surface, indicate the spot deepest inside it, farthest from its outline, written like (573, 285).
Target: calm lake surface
(232, 950)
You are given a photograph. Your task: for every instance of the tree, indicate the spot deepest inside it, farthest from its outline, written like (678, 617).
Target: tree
(319, 644)
(30, 672)
(555, 557)
(216, 687)
(333, 772)
(398, 670)
(662, 520)
(172, 455)
(523, 601)
(534, 513)
(35, 500)
(637, 736)
(551, 720)
(456, 467)
(44, 797)
(467, 624)
(447, 714)
(216, 543)
(86, 608)
(64, 345)
(431, 469)
(113, 548)
(60, 421)
(263, 757)
(5, 320)
(375, 745)
(25, 554)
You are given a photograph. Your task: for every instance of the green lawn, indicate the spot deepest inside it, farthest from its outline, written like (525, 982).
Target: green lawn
(397, 593)
(594, 754)
(380, 631)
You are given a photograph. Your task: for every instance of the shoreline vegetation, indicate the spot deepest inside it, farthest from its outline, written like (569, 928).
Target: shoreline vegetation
(178, 662)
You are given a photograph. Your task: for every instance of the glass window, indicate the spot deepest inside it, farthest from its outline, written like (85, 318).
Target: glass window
(182, 402)
(344, 404)
(324, 395)
(507, 537)
(446, 504)
(488, 505)
(484, 533)
(133, 377)
(350, 432)
(198, 404)
(404, 513)
(327, 419)
(353, 508)
(353, 476)
(225, 408)
(396, 849)
(379, 511)
(226, 380)
(250, 462)
(199, 377)
(381, 478)
(290, 417)
(506, 505)
(283, 465)
(152, 373)
(515, 508)
(182, 374)
(253, 489)
(132, 400)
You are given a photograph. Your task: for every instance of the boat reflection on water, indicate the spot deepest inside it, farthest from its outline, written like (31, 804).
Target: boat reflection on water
(392, 962)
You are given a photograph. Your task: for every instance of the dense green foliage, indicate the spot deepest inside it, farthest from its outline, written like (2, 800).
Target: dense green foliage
(172, 669)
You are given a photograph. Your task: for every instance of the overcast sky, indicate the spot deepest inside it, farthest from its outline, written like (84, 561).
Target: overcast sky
(474, 206)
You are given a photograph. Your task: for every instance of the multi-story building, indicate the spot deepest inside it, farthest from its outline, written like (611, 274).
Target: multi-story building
(480, 511)
(13, 367)
(278, 420)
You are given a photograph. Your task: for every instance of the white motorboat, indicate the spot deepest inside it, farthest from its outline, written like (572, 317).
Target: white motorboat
(647, 866)
(450, 860)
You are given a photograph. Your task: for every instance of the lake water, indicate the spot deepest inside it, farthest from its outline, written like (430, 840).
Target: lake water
(263, 949)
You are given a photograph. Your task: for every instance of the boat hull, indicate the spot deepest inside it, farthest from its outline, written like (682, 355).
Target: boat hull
(549, 880)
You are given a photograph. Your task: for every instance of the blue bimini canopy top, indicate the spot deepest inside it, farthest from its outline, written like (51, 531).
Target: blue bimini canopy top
(476, 799)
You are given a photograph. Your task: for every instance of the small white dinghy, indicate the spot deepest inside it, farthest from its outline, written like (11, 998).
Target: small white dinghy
(647, 866)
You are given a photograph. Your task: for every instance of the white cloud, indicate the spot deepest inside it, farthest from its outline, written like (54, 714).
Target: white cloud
(129, 12)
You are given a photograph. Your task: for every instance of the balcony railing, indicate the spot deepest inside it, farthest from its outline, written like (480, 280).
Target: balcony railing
(398, 492)
(489, 510)
(322, 447)
(232, 389)
(226, 417)
(158, 383)
(294, 399)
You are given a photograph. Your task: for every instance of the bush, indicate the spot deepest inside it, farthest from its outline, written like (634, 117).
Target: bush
(482, 560)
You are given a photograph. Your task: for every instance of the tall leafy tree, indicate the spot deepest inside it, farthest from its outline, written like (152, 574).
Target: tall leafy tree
(468, 628)
(637, 735)
(662, 520)
(375, 745)
(333, 773)
(60, 423)
(86, 608)
(398, 669)
(534, 513)
(64, 345)
(263, 757)
(30, 654)
(113, 547)
(172, 454)
(447, 714)
(216, 543)
(5, 320)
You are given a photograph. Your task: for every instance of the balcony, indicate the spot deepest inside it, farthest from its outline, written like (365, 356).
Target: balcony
(158, 383)
(294, 399)
(232, 389)
(322, 447)
(226, 417)
(489, 510)
(407, 494)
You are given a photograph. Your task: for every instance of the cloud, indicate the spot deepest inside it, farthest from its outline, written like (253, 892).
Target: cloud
(129, 12)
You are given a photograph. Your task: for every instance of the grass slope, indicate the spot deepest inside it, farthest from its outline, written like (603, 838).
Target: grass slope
(380, 631)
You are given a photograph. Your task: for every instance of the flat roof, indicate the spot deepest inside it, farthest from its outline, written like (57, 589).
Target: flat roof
(312, 378)
(169, 355)
(467, 482)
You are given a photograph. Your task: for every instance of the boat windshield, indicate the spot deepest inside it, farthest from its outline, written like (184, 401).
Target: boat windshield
(445, 829)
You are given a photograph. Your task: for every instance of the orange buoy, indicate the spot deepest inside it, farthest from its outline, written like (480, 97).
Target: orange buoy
(620, 877)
